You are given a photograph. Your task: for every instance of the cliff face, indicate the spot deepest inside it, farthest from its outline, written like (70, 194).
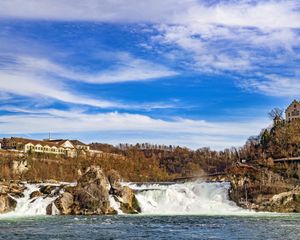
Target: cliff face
(261, 189)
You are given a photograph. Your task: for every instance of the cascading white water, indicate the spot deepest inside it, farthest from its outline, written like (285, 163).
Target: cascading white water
(186, 198)
(199, 198)
(27, 206)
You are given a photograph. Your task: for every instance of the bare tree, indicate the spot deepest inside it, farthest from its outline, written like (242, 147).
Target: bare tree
(276, 112)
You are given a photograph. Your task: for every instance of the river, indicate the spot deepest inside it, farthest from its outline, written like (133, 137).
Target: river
(195, 210)
(152, 227)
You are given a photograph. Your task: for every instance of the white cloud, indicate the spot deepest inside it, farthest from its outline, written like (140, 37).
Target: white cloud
(188, 132)
(274, 85)
(29, 85)
(39, 77)
(261, 14)
(214, 36)
(127, 69)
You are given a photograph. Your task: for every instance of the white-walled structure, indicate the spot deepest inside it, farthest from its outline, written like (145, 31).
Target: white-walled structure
(69, 148)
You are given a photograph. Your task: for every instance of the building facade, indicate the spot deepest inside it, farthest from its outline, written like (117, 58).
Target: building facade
(293, 111)
(69, 148)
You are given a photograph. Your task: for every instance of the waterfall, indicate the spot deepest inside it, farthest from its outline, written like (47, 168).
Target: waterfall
(199, 198)
(34, 206)
(27, 206)
(186, 198)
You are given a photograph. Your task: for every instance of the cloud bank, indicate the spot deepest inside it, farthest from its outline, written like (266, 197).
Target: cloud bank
(188, 132)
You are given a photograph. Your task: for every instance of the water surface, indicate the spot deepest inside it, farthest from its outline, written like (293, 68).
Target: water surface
(152, 227)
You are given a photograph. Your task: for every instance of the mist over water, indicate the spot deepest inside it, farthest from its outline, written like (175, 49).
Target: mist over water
(199, 198)
(191, 198)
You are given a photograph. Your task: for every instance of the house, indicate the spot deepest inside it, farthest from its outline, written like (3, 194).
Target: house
(69, 148)
(293, 111)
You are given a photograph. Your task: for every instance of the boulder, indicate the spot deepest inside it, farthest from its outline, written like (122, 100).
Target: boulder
(15, 189)
(128, 201)
(51, 190)
(7, 203)
(47, 189)
(52, 209)
(114, 179)
(35, 194)
(91, 195)
(284, 202)
(64, 203)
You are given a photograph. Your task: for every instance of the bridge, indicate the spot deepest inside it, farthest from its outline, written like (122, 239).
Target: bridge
(199, 176)
(288, 159)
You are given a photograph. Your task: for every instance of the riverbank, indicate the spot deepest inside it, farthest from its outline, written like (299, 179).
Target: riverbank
(261, 189)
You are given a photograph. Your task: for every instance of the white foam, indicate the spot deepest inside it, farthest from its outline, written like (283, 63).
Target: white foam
(198, 198)
(27, 206)
(186, 198)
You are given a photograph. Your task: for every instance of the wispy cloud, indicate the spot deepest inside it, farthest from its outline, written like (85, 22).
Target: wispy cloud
(274, 85)
(208, 36)
(39, 77)
(34, 86)
(282, 14)
(126, 69)
(189, 132)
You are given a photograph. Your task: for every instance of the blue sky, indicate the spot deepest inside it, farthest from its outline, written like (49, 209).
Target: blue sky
(191, 73)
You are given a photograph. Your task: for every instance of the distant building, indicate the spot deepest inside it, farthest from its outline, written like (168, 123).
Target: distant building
(293, 111)
(69, 148)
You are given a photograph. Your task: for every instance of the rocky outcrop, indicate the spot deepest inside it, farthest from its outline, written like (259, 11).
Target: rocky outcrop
(36, 194)
(64, 203)
(283, 202)
(261, 189)
(19, 166)
(14, 189)
(7, 203)
(123, 194)
(8, 191)
(114, 181)
(91, 195)
(128, 201)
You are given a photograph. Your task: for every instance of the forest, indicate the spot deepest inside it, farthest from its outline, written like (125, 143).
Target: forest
(145, 162)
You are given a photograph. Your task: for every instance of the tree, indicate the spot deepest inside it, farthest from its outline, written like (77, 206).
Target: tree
(265, 139)
(276, 112)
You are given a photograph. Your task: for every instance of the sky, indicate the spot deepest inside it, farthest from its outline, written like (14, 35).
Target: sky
(194, 73)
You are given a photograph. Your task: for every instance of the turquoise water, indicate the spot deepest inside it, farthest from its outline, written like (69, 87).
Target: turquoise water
(152, 227)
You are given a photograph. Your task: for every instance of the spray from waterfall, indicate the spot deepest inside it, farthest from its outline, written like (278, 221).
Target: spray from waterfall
(186, 198)
(199, 198)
